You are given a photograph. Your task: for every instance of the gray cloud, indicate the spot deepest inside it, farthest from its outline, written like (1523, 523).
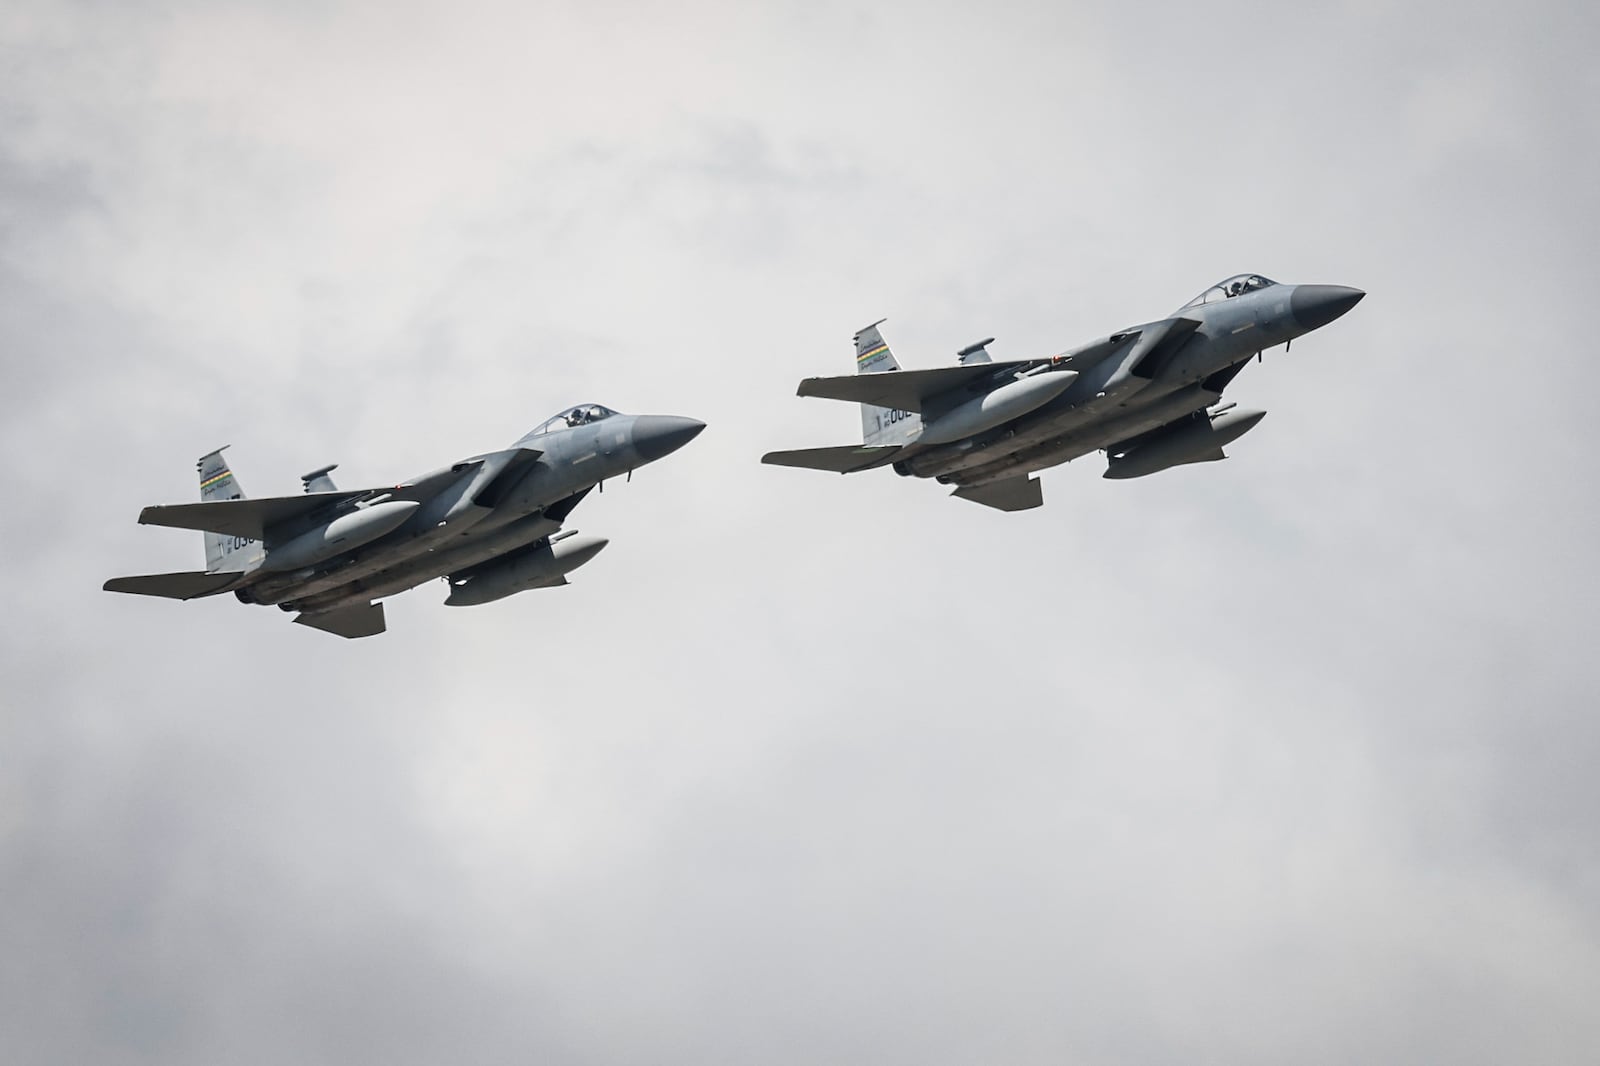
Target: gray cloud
(1285, 757)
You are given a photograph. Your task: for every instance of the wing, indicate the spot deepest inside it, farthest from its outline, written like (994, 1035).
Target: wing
(251, 518)
(362, 620)
(845, 459)
(905, 390)
(245, 517)
(1087, 355)
(1020, 493)
(184, 586)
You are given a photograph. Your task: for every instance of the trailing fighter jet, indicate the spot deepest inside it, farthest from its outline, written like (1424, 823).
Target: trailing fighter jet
(490, 525)
(1148, 396)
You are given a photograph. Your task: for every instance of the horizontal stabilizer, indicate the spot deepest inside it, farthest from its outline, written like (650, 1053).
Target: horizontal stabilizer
(904, 390)
(245, 518)
(1020, 493)
(362, 620)
(845, 459)
(185, 586)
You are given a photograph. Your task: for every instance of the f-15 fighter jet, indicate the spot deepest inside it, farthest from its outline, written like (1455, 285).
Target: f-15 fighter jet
(491, 525)
(1148, 396)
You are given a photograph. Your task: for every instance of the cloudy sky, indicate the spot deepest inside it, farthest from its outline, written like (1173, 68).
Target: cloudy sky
(1288, 758)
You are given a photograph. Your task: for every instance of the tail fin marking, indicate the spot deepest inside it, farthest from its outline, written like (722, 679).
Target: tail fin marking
(217, 482)
(881, 425)
(872, 353)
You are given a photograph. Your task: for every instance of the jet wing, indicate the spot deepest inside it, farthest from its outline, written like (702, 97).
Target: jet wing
(1163, 339)
(845, 459)
(905, 390)
(184, 586)
(1087, 355)
(362, 620)
(248, 518)
(252, 517)
(1020, 493)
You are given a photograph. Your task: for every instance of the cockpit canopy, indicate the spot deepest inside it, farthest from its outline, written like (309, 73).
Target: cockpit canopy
(581, 415)
(1237, 285)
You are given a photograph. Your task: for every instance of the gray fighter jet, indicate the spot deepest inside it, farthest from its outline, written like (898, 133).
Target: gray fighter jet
(1148, 396)
(490, 525)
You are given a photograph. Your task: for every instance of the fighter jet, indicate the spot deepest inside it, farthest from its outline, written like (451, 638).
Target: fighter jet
(490, 525)
(1148, 396)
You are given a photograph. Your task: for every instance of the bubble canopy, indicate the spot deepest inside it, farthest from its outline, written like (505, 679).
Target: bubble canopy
(1237, 285)
(581, 415)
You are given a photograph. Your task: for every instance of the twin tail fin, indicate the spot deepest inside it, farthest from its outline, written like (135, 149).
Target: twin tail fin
(223, 552)
(882, 426)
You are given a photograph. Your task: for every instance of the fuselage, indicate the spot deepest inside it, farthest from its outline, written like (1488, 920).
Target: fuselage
(1136, 380)
(474, 511)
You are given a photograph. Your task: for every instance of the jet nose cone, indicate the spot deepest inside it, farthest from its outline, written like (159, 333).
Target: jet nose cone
(658, 435)
(1314, 306)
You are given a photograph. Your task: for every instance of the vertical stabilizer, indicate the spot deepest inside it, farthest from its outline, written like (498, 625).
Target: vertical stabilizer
(881, 425)
(218, 483)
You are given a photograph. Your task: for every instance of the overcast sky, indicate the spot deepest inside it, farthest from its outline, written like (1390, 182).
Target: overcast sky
(1288, 758)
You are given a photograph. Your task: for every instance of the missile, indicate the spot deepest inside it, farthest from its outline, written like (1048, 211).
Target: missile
(1200, 441)
(537, 567)
(344, 533)
(1012, 400)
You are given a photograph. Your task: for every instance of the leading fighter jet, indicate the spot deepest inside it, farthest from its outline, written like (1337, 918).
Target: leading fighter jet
(1148, 396)
(490, 525)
